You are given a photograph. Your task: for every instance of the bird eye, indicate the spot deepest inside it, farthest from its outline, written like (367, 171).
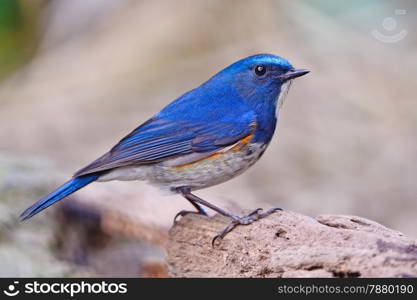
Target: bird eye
(260, 70)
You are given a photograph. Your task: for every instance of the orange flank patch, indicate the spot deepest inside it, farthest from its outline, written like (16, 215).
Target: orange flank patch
(242, 143)
(234, 148)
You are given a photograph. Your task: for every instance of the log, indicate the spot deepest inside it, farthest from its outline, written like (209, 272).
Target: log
(288, 244)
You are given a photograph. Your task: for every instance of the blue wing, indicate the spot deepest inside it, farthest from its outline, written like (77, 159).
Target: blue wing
(160, 139)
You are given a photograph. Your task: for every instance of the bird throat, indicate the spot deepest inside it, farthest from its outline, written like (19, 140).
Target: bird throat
(283, 94)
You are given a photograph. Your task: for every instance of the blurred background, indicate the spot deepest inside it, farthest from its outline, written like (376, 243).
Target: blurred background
(76, 76)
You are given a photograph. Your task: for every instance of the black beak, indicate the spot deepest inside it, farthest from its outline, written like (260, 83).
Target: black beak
(291, 74)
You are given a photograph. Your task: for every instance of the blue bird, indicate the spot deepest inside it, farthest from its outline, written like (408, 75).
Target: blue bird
(205, 137)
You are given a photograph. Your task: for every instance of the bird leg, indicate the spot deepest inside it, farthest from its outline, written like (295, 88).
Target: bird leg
(236, 220)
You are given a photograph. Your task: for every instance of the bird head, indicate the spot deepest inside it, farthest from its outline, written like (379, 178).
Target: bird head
(261, 79)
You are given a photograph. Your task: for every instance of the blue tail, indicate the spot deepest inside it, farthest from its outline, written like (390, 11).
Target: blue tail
(64, 190)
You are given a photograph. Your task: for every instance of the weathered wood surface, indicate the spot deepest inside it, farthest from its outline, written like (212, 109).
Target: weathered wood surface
(287, 244)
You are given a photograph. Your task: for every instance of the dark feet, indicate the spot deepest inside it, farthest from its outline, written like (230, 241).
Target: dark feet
(245, 220)
(197, 202)
(184, 212)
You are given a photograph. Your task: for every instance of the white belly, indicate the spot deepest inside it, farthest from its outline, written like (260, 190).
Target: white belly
(196, 175)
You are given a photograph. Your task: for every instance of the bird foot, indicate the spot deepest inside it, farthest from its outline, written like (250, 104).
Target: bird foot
(245, 220)
(182, 213)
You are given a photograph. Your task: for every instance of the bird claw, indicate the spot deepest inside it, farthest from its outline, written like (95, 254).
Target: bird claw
(245, 220)
(186, 212)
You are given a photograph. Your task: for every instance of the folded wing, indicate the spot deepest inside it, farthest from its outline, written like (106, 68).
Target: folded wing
(160, 139)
